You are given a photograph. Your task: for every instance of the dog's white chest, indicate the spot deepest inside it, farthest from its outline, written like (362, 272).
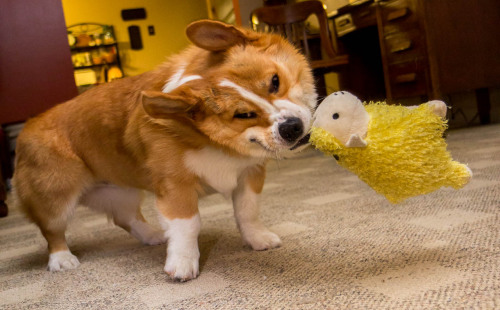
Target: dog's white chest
(217, 169)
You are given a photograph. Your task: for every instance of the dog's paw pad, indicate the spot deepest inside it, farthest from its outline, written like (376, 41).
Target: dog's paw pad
(62, 260)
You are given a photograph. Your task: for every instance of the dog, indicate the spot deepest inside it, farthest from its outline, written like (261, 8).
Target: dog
(208, 119)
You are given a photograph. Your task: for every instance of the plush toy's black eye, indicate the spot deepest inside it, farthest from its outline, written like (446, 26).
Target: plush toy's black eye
(275, 84)
(247, 115)
(335, 116)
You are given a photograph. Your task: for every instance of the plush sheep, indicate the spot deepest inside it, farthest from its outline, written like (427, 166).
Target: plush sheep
(398, 151)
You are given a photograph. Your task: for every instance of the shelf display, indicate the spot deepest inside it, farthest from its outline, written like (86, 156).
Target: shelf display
(94, 53)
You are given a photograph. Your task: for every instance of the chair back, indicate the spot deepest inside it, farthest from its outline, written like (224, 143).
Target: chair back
(289, 21)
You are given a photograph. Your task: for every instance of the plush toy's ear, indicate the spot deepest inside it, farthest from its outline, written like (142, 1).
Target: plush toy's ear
(160, 105)
(356, 141)
(214, 36)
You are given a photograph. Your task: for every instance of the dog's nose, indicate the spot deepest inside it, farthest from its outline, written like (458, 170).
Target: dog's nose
(291, 129)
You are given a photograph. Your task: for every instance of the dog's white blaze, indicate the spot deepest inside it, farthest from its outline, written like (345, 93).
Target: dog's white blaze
(217, 169)
(177, 80)
(259, 101)
(288, 108)
(279, 110)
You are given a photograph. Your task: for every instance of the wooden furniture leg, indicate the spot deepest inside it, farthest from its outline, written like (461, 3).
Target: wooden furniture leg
(483, 105)
(3, 174)
(3, 206)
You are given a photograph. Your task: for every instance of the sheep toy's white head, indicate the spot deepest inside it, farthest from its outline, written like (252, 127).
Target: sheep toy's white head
(343, 115)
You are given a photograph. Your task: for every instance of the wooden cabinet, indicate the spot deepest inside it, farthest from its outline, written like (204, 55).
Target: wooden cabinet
(464, 44)
(36, 70)
(428, 48)
(452, 45)
(3, 174)
(403, 49)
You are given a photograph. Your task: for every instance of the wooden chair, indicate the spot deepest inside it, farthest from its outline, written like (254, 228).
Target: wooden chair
(290, 21)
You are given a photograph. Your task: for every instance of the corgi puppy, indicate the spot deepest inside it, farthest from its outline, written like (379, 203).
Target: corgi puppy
(206, 120)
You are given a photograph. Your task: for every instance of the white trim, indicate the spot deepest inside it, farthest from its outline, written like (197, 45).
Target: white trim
(259, 101)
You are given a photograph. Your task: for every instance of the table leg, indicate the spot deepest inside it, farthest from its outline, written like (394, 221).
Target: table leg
(483, 105)
(3, 206)
(3, 174)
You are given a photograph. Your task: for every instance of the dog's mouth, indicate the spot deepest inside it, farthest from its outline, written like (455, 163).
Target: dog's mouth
(257, 141)
(301, 142)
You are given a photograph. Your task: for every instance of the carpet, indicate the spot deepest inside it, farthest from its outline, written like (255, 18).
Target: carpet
(344, 247)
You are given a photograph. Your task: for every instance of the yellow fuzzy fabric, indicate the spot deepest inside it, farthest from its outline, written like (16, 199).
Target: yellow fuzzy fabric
(406, 153)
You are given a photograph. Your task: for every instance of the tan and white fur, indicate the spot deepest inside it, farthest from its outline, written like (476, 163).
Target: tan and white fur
(207, 119)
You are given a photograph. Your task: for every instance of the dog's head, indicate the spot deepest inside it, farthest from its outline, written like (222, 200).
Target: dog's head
(250, 92)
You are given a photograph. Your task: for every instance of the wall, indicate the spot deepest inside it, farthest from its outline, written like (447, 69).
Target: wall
(169, 17)
(223, 10)
(35, 62)
(332, 5)
(246, 8)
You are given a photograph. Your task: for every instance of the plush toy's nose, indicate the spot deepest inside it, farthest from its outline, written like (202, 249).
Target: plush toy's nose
(291, 129)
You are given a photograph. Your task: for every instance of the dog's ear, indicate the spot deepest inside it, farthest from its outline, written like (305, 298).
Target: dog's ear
(215, 36)
(161, 105)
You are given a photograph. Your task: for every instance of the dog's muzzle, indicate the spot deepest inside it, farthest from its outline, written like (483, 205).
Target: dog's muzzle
(291, 129)
(301, 142)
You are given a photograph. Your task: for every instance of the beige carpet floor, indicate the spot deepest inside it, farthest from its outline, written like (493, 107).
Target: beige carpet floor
(344, 247)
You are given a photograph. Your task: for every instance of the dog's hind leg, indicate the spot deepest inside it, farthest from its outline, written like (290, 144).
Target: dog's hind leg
(60, 257)
(49, 199)
(123, 206)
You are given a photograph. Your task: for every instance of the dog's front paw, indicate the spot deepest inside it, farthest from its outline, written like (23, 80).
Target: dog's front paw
(260, 238)
(182, 267)
(62, 260)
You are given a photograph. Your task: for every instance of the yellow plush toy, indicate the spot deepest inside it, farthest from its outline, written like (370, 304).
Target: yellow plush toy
(398, 151)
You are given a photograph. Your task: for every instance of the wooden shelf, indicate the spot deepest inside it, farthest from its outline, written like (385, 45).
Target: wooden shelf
(97, 66)
(89, 48)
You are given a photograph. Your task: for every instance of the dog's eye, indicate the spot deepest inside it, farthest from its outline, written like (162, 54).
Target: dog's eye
(247, 115)
(275, 84)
